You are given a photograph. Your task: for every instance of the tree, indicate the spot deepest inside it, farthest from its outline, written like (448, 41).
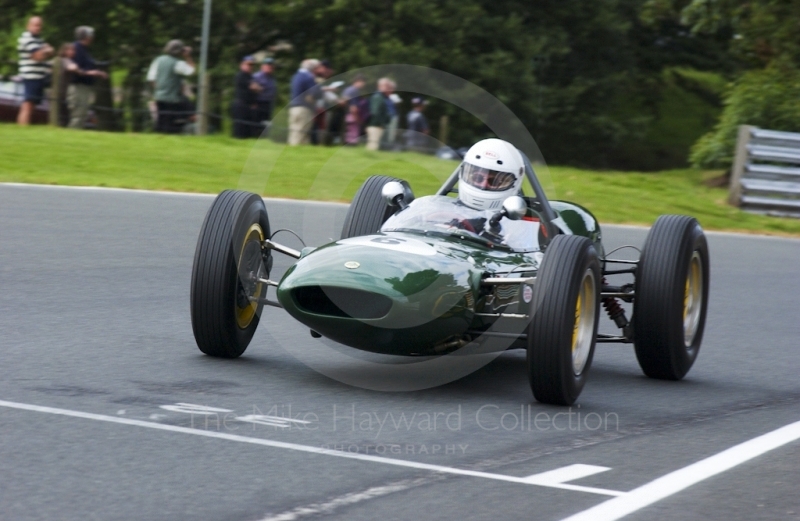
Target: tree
(762, 38)
(584, 77)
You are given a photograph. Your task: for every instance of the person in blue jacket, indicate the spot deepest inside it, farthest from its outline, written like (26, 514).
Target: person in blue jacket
(81, 93)
(304, 95)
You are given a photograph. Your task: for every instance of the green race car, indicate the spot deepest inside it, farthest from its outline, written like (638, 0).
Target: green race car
(432, 275)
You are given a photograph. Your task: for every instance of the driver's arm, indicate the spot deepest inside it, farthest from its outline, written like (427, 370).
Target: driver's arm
(471, 225)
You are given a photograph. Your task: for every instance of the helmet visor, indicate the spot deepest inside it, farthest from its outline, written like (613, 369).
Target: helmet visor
(485, 179)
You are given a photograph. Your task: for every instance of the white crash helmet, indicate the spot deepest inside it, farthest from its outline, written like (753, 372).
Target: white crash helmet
(492, 171)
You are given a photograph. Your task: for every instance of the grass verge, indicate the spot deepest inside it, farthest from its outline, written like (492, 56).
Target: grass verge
(210, 164)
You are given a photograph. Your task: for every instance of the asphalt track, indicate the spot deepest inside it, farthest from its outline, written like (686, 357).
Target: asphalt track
(109, 411)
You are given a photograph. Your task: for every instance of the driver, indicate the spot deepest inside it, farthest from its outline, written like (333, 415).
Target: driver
(492, 171)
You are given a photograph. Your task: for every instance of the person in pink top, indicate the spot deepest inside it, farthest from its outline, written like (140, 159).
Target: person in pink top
(352, 125)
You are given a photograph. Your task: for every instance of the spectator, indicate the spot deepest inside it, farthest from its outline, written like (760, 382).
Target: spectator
(166, 73)
(67, 69)
(329, 121)
(304, 94)
(325, 70)
(323, 98)
(352, 96)
(353, 92)
(417, 126)
(265, 99)
(33, 67)
(380, 115)
(81, 93)
(390, 132)
(244, 100)
(353, 125)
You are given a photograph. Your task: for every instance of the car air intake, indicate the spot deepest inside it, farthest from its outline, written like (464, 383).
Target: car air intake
(341, 302)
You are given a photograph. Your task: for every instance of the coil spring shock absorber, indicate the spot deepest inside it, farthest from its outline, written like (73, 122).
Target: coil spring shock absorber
(614, 310)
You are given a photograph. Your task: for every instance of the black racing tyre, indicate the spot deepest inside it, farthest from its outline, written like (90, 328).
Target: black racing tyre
(565, 309)
(671, 298)
(227, 263)
(369, 210)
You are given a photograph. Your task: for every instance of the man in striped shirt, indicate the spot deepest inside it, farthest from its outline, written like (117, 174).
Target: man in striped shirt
(33, 67)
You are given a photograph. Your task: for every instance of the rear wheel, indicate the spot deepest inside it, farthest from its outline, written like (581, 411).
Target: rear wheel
(565, 310)
(669, 310)
(369, 210)
(228, 262)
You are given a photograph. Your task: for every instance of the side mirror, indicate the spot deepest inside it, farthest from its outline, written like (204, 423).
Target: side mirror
(393, 193)
(515, 207)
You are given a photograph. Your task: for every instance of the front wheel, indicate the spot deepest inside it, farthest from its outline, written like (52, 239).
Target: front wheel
(563, 328)
(669, 309)
(228, 263)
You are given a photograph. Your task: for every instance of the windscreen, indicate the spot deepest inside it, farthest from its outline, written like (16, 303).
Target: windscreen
(441, 215)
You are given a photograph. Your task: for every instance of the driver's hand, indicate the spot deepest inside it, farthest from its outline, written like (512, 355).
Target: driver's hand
(462, 224)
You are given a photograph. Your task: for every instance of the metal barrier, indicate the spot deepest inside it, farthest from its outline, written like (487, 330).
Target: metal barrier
(766, 172)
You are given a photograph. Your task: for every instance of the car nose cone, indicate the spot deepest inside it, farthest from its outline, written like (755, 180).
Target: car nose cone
(384, 298)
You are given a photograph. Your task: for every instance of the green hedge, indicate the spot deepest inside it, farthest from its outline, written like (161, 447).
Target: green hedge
(767, 98)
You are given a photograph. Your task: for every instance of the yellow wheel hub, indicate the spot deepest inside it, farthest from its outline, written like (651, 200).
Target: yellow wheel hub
(577, 323)
(583, 328)
(252, 239)
(692, 299)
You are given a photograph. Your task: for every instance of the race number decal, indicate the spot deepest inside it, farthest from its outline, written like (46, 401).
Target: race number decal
(387, 242)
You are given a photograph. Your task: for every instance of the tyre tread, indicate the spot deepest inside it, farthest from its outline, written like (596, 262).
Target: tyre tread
(214, 270)
(368, 211)
(553, 316)
(660, 282)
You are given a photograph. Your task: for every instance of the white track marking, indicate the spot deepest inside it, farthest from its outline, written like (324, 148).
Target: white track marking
(271, 421)
(560, 475)
(191, 408)
(346, 500)
(674, 482)
(564, 474)
(300, 448)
